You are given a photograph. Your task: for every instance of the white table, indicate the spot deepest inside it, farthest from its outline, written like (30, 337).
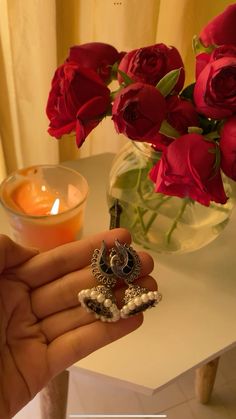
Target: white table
(194, 323)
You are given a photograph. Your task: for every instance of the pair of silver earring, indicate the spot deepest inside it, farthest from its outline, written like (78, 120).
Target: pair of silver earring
(121, 262)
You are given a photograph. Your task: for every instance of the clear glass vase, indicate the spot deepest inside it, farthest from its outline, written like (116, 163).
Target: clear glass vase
(159, 222)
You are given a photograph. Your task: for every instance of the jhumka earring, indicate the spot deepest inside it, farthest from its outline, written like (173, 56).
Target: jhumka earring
(109, 265)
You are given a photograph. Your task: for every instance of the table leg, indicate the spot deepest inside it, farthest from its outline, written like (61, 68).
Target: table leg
(204, 380)
(53, 398)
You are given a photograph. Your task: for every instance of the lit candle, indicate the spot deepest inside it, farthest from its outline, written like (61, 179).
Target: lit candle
(45, 205)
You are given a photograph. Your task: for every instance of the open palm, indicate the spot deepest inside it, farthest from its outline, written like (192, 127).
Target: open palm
(43, 328)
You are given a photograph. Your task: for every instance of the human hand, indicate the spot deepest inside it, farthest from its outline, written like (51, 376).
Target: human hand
(44, 329)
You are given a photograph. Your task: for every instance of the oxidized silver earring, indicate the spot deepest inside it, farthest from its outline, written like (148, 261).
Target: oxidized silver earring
(100, 298)
(120, 262)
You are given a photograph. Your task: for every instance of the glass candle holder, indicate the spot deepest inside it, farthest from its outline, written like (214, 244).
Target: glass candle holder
(45, 205)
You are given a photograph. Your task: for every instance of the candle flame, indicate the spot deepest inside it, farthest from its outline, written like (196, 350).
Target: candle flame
(55, 207)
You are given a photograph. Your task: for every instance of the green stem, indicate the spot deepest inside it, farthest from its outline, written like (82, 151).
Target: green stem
(186, 201)
(137, 218)
(138, 184)
(140, 213)
(140, 217)
(154, 215)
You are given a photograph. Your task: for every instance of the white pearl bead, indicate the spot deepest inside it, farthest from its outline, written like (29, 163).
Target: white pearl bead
(138, 301)
(144, 298)
(131, 305)
(87, 293)
(113, 308)
(151, 295)
(94, 295)
(100, 298)
(158, 296)
(125, 309)
(107, 302)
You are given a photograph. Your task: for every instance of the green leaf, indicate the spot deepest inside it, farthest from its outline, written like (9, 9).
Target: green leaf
(168, 82)
(196, 130)
(168, 130)
(125, 77)
(187, 93)
(114, 69)
(198, 47)
(128, 180)
(214, 135)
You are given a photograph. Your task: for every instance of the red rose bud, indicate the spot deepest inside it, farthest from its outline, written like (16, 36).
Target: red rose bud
(221, 29)
(228, 148)
(97, 56)
(201, 61)
(223, 51)
(76, 92)
(138, 112)
(215, 89)
(180, 114)
(150, 64)
(187, 169)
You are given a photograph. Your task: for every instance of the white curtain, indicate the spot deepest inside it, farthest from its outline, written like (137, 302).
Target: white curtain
(2, 163)
(28, 58)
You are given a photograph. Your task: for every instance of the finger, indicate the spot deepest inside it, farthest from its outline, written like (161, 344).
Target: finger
(67, 258)
(77, 344)
(13, 254)
(57, 324)
(62, 293)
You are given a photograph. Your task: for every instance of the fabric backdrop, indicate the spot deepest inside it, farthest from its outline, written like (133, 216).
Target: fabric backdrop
(35, 36)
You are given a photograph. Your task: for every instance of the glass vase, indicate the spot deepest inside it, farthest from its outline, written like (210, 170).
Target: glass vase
(159, 222)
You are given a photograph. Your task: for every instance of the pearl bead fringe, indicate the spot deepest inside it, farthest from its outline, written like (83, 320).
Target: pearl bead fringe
(140, 303)
(104, 308)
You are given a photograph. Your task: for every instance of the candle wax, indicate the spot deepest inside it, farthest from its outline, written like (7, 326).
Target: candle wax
(34, 198)
(38, 227)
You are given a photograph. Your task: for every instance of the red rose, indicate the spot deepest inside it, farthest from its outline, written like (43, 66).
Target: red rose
(201, 61)
(180, 114)
(150, 64)
(77, 101)
(186, 169)
(221, 29)
(96, 56)
(215, 89)
(228, 147)
(138, 112)
(223, 51)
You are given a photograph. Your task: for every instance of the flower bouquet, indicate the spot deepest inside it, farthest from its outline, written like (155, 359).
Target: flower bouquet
(186, 134)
